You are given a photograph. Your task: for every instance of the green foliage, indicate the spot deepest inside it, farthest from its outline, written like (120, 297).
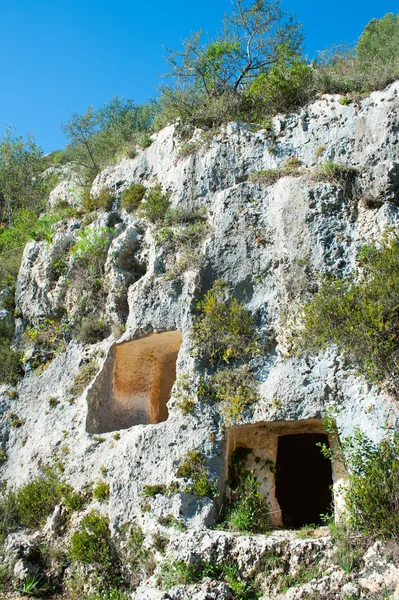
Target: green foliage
(132, 197)
(183, 240)
(181, 573)
(378, 45)
(193, 468)
(359, 314)
(372, 65)
(236, 390)
(47, 338)
(291, 168)
(30, 584)
(15, 421)
(36, 500)
(210, 78)
(103, 201)
(287, 86)
(97, 137)
(101, 491)
(346, 552)
(372, 498)
(304, 574)
(247, 510)
(10, 360)
(91, 249)
(90, 330)
(172, 521)
(224, 329)
(182, 391)
(153, 490)
(21, 182)
(155, 205)
(92, 545)
(138, 559)
(176, 573)
(25, 225)
(9, 516)
(83, 378)
(332, 172)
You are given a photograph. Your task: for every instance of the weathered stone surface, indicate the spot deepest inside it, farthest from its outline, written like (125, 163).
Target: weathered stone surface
(269, 243)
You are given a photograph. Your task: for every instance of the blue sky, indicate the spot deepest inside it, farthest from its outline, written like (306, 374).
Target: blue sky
(60, 56)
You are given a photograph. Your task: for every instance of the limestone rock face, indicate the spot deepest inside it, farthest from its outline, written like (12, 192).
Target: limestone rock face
(269, 243)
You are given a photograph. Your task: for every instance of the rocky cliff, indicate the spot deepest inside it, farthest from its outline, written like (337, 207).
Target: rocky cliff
(269, 241)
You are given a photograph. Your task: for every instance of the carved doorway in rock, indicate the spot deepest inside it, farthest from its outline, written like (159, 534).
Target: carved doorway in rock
(298, 486)
(303, 479)
(134, 385)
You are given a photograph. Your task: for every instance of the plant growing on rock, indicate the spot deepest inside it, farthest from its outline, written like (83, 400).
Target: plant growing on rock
(104, 200)
(193, 468)
(155, 205)
(132, 197)
(359, 314)
(101, 491)
(92, 545)
(90, 330)
(247, 509)
(83, 378)
(236, 390)
(224, 330)
(292, 168)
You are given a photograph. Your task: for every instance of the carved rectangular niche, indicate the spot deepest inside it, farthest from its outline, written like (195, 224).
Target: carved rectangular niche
(135, 383)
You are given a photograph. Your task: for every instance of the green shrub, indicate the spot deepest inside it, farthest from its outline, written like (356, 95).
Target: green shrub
(172, 521)
(247, 510)
(101, 491)
(291, 168)
(15, 421)
(224, 329)
(9, 515)
(193, 468)
(182, 391)
(10, 360)
(153, 490)
(155, 205)
(83, 378)
(132, 197)
(347, 553)
(284, 88)
(359, 314)
(177, 573)
(91, 330)
(91, 249)
(47, 337)
(21, 182)
(138, 559)
(372, 497)
(36, 500)
(377, 51)
(92, 544)
(182, 215)
(104, 200)
(335, 173)
(236, 390)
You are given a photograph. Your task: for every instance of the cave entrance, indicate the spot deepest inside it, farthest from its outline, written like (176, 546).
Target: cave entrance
(303, 479)
(134, 385)
(296, 478)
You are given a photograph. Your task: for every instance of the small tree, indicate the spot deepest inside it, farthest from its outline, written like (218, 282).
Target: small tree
(253, 39)
(21, 166)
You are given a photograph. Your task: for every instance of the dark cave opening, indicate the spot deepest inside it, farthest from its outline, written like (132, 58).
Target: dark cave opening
(303, 479)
